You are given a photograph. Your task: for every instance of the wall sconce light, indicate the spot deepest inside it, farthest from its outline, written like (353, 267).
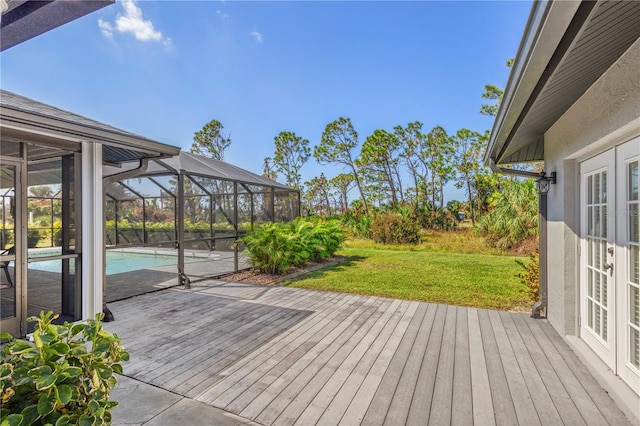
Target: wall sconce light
(544, 182)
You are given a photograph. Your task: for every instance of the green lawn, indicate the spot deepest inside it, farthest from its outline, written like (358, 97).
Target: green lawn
(465, 279)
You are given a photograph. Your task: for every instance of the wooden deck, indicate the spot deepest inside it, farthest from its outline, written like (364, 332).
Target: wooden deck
(282, 356)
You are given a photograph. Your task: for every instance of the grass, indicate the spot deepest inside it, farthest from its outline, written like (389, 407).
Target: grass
(430, 272)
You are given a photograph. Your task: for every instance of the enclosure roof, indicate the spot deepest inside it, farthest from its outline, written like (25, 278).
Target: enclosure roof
(199, 165)
(24, 119)
(565, 48)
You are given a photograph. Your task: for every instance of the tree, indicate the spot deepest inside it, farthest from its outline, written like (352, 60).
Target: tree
(469, 148)
(494, 94)
(317, 196)
(268, 169)
(338, 140)
(440, 150)
(411, 141)
(379, 158)
(342, 184)
(211, 141)
(291, 153)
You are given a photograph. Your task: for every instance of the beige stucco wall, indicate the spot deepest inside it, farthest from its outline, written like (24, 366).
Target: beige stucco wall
(603, 117)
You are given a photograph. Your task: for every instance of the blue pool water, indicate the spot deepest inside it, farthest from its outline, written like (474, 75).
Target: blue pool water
(117, 262)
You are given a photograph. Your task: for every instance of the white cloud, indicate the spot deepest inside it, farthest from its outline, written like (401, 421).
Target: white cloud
(106, 28)
(221, 14)
(133, 22)
(256, 35)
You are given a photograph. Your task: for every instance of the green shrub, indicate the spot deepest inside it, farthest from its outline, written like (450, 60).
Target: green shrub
(273, 249)
(33, 237)
(531, 275)
(64, 377)
(395, 229)
(434, 218)
(276, 247)
(513, 217)
(357, 225)
(320, 238)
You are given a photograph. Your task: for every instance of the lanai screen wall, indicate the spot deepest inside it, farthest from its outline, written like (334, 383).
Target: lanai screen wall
(180, 220)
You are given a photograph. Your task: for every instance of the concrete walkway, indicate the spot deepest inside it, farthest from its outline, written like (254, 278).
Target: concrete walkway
(144, 404)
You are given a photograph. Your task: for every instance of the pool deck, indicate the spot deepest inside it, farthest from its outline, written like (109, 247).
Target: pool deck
(233, 354)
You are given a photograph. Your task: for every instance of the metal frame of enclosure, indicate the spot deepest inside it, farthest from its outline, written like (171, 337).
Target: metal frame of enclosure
(198, 206)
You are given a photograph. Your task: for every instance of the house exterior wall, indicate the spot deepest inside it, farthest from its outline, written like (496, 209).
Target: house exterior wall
(606, 115)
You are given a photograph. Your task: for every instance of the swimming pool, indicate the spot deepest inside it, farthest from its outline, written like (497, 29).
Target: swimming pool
(117, 262)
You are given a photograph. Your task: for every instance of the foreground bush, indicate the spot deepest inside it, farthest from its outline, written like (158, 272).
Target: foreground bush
(276, 247)
(64, 377)
(395, 229)
(531, 275)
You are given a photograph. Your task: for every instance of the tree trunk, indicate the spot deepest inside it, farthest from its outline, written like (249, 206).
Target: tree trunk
(356, 178)
(471, 212)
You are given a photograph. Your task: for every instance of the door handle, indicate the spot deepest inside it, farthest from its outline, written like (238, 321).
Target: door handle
(609, 267)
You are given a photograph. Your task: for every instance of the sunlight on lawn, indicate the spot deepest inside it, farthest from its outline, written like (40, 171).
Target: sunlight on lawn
(426, 273)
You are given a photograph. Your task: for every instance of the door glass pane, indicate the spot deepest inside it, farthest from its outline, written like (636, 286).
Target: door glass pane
(597, 277)
(633, 181)
(634, 223)
(634, 264)
(7, 241)
(633, 283)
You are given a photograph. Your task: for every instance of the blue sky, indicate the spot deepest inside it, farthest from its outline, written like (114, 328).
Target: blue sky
(163, 69)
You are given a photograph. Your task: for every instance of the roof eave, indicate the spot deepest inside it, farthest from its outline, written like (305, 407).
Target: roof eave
(28, 19)
(28, 123)
(547, 24)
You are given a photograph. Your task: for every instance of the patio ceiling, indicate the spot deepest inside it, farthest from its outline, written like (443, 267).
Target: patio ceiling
(26, 120)
(24, 20)
(566, 47)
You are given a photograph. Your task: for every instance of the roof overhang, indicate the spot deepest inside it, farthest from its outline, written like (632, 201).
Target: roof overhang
(24, 120)
(24, 19)
(566, 47)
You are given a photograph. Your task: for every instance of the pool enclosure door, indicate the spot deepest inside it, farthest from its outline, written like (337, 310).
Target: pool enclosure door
(610, 259)
(11, 291)
(39, 254)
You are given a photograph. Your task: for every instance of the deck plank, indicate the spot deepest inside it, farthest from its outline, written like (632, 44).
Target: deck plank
(505, 413)
(592, 401)
(292, 398)
(269, 403)
(310, 349)
(334, 413)
(557, 392)
(443, 387)
(372, 382)
(386, 392)
(462, 410)
(522, 401)
(422, 397)
(281, 351)
(482, 402)
(546, 410)
(310, 403)
(340, 374)
(401, 401)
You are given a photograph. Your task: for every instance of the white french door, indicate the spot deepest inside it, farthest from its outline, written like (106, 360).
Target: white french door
(610, 259)
(628, 272)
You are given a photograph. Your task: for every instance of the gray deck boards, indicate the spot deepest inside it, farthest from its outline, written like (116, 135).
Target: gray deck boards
(283, 356)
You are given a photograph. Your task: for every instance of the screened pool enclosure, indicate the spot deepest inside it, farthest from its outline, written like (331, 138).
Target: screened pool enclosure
(184, 215)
